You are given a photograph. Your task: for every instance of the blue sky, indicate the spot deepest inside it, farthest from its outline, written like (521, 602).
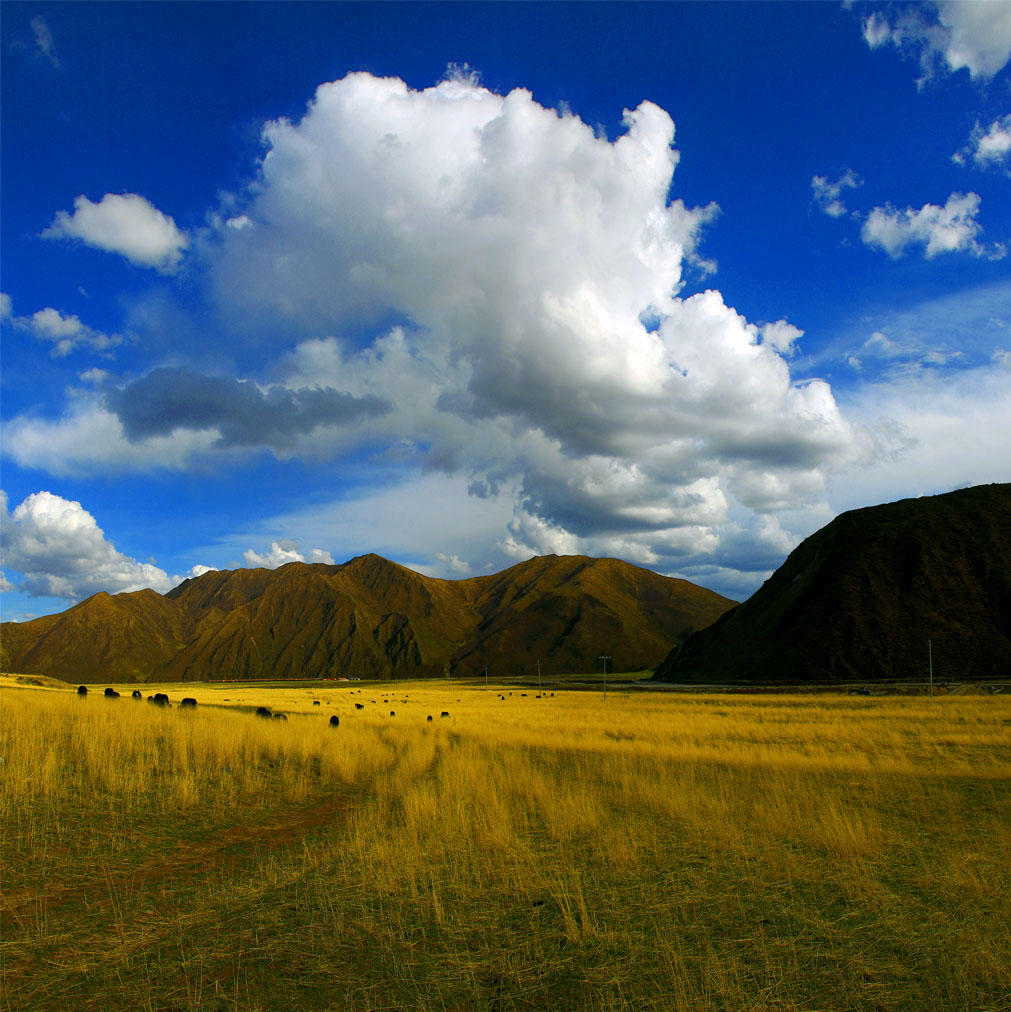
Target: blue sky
(464, 283)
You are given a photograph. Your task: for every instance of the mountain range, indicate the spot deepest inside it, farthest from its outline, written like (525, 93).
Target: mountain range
(885, 592)
(368, 618)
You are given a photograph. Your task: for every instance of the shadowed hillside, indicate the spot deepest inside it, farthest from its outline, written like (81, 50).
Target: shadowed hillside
(369, 618)
(860, 599)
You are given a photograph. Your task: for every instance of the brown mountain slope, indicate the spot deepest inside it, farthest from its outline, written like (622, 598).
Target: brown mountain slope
(860, 598)
(369, 618)
(568, 611)
(118, 638)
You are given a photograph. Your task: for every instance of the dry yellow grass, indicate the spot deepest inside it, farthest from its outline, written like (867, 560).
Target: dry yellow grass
(657, 851)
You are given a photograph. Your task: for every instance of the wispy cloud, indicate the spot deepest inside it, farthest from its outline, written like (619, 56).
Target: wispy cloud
(828, 193)
(935, 430)
(44, 43)
(945, 335)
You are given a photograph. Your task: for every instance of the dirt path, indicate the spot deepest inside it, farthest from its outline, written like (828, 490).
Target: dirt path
(222, 849)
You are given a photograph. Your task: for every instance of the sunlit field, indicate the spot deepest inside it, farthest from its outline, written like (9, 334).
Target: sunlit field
(651, 851)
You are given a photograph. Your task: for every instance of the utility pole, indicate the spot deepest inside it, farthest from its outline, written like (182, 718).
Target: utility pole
(930, 660)
(605, 658)
(539, 693)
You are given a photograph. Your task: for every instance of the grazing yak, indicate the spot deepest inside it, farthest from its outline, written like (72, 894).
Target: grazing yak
(359, 706)
(82, 690)
(262, 711)
(279, 716)
(111, 694)
(136, 694)
(429, 718)
(445, 713)
(159, 699)
(315, 702)
(189, 703)
(335, 721)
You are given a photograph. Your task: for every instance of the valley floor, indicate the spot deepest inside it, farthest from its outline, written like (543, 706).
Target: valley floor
(661, 851)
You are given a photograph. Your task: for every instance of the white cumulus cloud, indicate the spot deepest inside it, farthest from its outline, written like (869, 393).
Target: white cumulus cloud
(539, 265)
(62, 552)
(198, 570)
(65, 333)
(989, 148)
(124, 223)
(280, 553)
(937, 229)
(946, 36)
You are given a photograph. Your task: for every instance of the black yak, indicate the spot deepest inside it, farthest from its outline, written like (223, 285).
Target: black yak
(189, 703)
(335, 721)
(82, 690)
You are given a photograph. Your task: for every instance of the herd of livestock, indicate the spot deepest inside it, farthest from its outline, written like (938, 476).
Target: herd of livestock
(189, 703)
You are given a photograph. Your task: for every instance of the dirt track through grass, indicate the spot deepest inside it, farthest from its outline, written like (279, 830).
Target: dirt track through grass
(222, 849)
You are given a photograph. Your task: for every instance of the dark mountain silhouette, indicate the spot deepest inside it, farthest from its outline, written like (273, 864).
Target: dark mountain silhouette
(368, 618)
(860, 599)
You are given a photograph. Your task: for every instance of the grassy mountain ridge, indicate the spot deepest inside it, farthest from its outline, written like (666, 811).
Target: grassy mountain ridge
(859, 600)
(369, 618)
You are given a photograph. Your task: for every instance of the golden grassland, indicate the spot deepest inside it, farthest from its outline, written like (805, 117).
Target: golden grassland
(654, 851)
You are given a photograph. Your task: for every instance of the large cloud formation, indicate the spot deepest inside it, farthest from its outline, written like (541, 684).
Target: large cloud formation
(538, 266)
(492, 290)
